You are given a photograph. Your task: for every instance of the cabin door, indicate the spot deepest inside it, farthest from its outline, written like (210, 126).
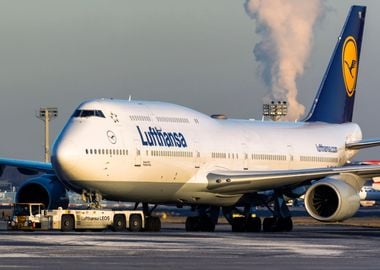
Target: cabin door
(137, 153)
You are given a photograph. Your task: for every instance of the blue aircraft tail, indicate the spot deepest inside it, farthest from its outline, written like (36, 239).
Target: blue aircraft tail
(334, 102)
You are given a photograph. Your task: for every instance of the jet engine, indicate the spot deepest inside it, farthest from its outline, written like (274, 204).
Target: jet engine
(332, 199)
(46, 189)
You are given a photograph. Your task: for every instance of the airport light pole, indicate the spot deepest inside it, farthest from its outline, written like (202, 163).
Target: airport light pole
(275, 110)
(47, 114)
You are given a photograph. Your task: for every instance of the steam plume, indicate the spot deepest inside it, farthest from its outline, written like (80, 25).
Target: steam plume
(286, 28)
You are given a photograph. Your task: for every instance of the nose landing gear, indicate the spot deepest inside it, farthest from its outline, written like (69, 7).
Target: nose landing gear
(92, 199)
(152, 223)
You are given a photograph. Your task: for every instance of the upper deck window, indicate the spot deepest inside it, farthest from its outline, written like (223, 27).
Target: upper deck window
(88, 113)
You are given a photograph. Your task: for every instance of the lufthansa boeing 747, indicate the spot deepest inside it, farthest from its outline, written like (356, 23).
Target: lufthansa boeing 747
(159, 153)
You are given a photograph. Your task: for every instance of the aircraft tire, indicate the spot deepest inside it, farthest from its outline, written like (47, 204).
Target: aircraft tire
(287, 224)
(156, 224)
(253, 224)
(206, 224)
(152, 224)
(238, 224)
(199, 224)
(192, 224)
(278, 224)
(268, 224)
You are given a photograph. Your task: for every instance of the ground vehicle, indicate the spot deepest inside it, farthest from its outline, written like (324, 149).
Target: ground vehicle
(33, 216)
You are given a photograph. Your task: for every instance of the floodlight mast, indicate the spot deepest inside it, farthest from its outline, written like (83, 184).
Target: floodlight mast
(275, 110)
(47, 114)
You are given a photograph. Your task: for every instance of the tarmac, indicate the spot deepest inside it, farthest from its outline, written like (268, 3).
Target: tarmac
(308, 246)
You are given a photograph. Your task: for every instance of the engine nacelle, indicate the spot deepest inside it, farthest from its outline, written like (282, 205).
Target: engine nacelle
(46, 189)
(332, 200)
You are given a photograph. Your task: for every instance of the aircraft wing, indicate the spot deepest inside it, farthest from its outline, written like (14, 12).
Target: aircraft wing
(238, 182)
(28, 167)
(363, 144)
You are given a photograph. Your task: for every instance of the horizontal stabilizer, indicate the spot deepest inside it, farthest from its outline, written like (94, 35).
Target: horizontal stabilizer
(363, 144)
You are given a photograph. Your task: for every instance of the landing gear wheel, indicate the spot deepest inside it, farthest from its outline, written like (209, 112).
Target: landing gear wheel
(191, 224)
(67, 223)
(199, 224)
(206, 224)
(253, 224)
(238, 224)
(135, 223)
(157, 224)
(278, 224)
(268, 224)
(243, 224)
(287, 224)
(119, 223)
(152, 224)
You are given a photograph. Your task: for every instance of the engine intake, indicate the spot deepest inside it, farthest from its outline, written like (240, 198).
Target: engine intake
(46, 189)
(331, 200)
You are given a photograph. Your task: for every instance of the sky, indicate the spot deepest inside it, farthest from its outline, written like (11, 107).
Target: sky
(194, 53)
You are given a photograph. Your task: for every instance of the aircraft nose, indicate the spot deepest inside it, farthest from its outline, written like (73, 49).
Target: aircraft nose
(65, 156)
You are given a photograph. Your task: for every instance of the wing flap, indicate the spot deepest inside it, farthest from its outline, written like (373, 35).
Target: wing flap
(233, 182)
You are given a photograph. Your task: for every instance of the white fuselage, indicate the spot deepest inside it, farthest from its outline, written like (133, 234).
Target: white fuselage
(160, 152)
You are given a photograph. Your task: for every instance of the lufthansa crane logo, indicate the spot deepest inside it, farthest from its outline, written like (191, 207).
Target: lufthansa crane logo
(350, 64)
(111, 137)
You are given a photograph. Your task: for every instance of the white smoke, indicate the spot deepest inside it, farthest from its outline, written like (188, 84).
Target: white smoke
(286, 28)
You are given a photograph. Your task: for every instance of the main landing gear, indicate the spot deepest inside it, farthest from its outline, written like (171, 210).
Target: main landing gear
(205, 221)
(281, 220)
(246, 221)
(242, 221)
(152, 223)
(92, 199)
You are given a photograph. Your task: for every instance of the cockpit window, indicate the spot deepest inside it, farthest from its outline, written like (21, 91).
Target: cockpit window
(88, 113)
(99, 114)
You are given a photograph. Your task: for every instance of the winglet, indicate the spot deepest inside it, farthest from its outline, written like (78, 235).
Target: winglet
(334, 102)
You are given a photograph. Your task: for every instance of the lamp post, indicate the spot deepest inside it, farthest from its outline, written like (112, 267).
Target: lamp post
(275, 110)
(47, 114)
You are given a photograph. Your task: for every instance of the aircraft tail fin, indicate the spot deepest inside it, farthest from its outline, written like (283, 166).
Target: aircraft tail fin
(334, 102)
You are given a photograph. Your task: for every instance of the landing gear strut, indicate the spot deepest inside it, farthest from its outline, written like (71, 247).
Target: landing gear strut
(281, 220)
(152, 223)
(205, 221)
(92, 199)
